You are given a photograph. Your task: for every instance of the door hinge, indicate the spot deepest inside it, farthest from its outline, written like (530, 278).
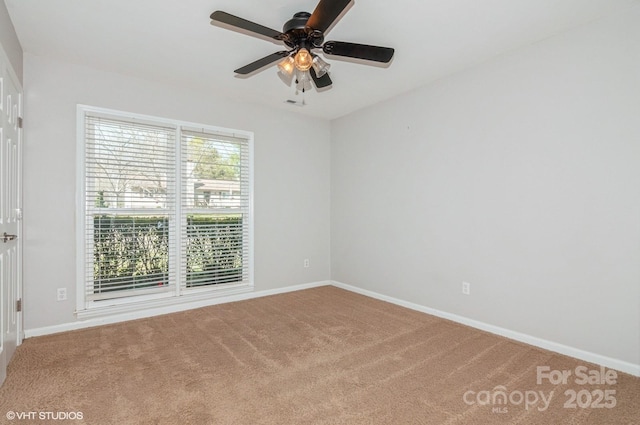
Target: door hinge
(19, 305)
(19, 122)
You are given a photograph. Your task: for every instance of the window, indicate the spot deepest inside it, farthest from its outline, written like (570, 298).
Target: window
(166, 209)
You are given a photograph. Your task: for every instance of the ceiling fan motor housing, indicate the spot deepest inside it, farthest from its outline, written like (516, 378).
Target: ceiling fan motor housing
(298, 35)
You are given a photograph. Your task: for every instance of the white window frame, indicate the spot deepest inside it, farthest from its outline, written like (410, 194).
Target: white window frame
(178, 295)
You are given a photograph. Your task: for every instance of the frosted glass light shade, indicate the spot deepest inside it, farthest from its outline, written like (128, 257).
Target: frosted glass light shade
(320, 66)
(286, 65)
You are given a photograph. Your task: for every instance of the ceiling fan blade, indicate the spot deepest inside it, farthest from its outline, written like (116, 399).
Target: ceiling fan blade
(320, 82)
(326, 12)
(359, 51)
(267, 60)
(234, 21)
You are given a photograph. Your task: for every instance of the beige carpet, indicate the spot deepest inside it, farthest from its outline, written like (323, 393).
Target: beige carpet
(319, 356)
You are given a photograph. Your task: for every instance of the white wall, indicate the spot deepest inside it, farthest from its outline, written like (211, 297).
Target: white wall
(291, 177)
(9, 41)
(520, 176)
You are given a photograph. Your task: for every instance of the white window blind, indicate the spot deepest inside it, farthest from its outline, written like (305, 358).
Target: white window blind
(166, 209)
(215, 208)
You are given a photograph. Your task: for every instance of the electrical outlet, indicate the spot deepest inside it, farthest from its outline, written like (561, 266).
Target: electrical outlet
(62, 294)
(466, 288)
(306, 263)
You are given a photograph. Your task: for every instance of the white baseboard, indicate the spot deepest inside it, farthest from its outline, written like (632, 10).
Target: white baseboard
(156, 311)
(620, 365)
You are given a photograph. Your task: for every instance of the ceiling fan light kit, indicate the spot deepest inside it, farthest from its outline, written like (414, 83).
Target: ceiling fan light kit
(302, 34)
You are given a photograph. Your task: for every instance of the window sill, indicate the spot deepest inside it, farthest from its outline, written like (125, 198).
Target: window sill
(170, 304)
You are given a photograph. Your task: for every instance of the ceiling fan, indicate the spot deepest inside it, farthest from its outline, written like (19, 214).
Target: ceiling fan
(302, 34)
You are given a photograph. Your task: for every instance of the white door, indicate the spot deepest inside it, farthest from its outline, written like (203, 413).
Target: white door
(10, 214)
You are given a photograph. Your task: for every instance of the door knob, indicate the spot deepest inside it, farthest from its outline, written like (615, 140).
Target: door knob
(6, 238)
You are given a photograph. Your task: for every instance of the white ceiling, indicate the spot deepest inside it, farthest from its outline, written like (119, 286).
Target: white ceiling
(172, 41)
